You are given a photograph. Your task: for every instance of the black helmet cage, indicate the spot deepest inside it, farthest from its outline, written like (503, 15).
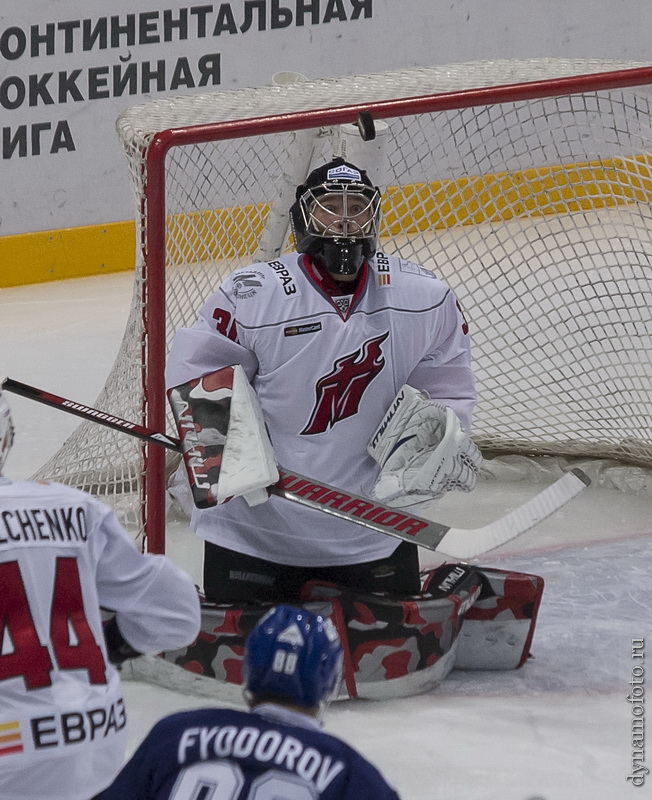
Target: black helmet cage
(343, 244)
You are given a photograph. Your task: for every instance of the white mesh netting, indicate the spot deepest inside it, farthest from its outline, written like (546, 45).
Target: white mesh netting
(537, 212)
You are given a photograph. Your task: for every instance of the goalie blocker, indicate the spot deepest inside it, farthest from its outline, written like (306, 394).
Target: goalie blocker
(226, 449)
(465, 618)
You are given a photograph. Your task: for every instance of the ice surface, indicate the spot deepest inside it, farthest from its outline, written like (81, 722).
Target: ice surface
(559, 728)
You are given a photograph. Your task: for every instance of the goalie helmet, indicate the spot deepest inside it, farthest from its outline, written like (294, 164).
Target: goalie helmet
(6, 430)
(293, 655)
(335, 217)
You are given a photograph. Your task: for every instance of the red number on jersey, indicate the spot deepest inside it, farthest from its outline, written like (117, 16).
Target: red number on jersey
(224, 324)
(68, 612)
(28, 657)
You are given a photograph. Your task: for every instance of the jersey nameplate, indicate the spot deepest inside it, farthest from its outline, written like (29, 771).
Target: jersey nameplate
(43, 525)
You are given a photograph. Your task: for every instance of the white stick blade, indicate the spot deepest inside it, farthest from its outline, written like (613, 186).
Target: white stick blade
(462, 544)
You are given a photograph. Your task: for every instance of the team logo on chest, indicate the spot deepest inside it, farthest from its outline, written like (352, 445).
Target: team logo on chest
(338, 394)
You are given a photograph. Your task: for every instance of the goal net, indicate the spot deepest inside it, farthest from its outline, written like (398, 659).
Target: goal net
(525, 185)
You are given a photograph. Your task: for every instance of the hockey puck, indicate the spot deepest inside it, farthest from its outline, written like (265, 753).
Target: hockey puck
(365, 123)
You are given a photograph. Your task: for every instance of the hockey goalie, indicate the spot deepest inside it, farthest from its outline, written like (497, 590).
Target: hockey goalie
(350, 366)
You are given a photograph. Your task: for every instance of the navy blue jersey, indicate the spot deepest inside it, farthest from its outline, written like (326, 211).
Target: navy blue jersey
(224, 754)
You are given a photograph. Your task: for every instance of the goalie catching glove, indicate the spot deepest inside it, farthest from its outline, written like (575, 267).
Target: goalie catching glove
(422, 450)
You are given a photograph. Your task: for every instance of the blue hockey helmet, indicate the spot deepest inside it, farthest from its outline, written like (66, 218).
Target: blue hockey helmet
(293, 655)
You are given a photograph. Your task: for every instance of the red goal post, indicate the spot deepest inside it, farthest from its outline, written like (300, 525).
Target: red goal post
(526, 185)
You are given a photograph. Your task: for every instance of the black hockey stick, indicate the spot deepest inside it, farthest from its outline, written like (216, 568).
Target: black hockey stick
(459, 543)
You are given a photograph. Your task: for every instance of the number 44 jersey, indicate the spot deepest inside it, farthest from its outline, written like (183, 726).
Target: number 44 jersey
(63, 555)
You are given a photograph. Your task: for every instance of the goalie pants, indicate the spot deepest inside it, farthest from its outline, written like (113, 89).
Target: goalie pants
(231, 577)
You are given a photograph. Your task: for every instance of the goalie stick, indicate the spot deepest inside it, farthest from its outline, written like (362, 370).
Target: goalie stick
(457, 543)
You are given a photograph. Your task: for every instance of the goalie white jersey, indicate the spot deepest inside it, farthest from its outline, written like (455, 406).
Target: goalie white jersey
(325, 370)
(62, 556)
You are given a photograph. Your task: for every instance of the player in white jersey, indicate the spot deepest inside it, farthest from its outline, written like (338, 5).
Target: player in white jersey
(327, 336)
(63, 557)
(292, 668)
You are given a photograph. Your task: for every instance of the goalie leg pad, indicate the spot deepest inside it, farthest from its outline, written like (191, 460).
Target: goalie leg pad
(398, 647)
(499, 628)
(393, 647)
(447, 579)
(218, 651)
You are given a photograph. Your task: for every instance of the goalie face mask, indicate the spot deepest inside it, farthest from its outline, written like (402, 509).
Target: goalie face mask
(6, 430)
(295, 656)
(335, 217)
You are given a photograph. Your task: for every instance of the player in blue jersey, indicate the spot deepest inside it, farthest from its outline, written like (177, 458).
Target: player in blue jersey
(292, 669)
